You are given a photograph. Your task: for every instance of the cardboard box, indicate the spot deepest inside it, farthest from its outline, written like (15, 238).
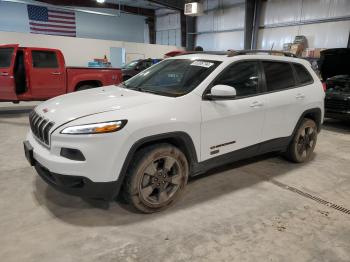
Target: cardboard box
(297, 49)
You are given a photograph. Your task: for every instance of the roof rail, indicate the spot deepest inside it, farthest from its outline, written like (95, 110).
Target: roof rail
(255, 51)
(204, 52)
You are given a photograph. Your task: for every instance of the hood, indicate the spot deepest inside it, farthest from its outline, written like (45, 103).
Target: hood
(69, 107)
(334, 62)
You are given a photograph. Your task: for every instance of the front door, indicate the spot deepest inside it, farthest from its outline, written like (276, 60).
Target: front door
(7, 81)
(47, 74)
(229, 125)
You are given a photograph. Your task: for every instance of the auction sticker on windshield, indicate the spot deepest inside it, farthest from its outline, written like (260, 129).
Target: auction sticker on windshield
(202, 64)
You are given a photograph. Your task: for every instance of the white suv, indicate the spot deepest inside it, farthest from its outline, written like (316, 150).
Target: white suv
(178, 118)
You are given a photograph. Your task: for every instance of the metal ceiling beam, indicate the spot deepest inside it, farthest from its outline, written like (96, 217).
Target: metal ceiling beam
(92, 3)
(177, 5)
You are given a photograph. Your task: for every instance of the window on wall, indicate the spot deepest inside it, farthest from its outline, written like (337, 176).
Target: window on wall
(44, 59)
(243, 76)
(278, 75)
(303, 75)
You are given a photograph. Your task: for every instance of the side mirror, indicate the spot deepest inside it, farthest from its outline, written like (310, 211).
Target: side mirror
(221, 92)
(137, 68)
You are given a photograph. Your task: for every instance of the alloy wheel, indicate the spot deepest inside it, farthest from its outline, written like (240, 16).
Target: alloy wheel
(161, 179)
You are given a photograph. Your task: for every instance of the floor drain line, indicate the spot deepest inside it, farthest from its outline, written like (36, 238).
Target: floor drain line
(307, 195)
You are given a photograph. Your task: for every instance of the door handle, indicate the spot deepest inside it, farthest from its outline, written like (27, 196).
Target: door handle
(300, 96)
(4, 74)
(55, 73)
(256, 104)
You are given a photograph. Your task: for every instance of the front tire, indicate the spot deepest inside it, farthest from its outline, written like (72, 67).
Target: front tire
(303, 144)
(156, 178)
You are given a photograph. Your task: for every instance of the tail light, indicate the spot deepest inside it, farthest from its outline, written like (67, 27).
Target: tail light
(324, 85)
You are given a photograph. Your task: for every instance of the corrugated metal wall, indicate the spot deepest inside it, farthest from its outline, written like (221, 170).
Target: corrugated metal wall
(168, 27)
(305, 17)
(221, 27)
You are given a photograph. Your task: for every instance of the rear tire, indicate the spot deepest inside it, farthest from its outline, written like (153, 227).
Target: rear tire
(304, 141)
(156, 178)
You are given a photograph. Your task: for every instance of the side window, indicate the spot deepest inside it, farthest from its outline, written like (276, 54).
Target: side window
(278, 75)
(6, 57)
(243, 76)
(44, 59)
(303, 75)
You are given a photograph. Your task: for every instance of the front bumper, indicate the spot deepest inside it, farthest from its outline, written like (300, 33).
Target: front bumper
(96, 177)
(73, 185)
(78, 186)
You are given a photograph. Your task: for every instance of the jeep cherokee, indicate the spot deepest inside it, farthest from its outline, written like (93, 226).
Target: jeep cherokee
(176, 119)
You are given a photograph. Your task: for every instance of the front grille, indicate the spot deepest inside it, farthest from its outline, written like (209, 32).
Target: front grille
(40, 127)
(343, 105)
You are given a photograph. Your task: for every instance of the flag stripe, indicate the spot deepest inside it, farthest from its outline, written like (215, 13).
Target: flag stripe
(51, 30)
(51, 25)
(61, 17)
(53, 33)
(62, 22)
(61, 12)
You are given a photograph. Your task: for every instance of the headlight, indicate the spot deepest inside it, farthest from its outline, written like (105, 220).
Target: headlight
(97, 128)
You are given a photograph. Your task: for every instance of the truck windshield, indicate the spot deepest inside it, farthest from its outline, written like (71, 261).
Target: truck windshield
(174, 77)
(5, 57)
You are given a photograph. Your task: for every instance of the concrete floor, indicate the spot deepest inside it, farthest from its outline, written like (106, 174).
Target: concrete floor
(244, 212)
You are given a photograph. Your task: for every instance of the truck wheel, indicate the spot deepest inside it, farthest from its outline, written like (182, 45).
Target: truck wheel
(156, 177)
(84, 87)
(303, 144)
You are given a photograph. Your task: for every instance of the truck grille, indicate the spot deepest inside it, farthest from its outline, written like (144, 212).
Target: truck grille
(40, 127)
(337, 104)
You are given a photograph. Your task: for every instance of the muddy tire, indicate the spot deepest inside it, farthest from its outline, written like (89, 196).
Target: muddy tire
(156, 178)
(304, 141)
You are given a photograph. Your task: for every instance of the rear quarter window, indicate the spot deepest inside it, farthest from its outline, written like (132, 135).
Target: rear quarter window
(278, 75)
(303, 74)
(6, 57)
(44, 59)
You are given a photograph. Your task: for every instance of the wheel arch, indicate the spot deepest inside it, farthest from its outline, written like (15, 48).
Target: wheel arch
(94, 83)
(180, 139)
(314, 114)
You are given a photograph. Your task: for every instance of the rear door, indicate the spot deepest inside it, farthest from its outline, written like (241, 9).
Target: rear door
(7, 81)
(285, 99)
(47, 74)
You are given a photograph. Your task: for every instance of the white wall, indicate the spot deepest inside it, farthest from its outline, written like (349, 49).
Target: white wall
(320, 35)
(132, 28)
(217, 27)
(168, 27)
(78, 51)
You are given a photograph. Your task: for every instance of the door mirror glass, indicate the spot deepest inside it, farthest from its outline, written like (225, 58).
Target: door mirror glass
(222, 92)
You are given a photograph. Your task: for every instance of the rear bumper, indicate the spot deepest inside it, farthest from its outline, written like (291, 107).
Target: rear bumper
(78, 185)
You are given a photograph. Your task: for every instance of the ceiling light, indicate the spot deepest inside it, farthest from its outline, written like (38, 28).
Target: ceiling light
(100, 1)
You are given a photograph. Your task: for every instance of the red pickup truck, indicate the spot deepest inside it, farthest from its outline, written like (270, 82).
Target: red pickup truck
(29, 74)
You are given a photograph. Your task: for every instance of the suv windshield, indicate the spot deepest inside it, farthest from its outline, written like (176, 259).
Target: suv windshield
(5, 57)
(174, 77)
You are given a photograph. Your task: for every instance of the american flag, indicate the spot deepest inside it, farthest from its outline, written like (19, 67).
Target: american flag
(50, 21)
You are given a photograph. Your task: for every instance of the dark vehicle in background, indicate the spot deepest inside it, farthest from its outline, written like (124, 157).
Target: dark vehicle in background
(136, 66)
(334, 68)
